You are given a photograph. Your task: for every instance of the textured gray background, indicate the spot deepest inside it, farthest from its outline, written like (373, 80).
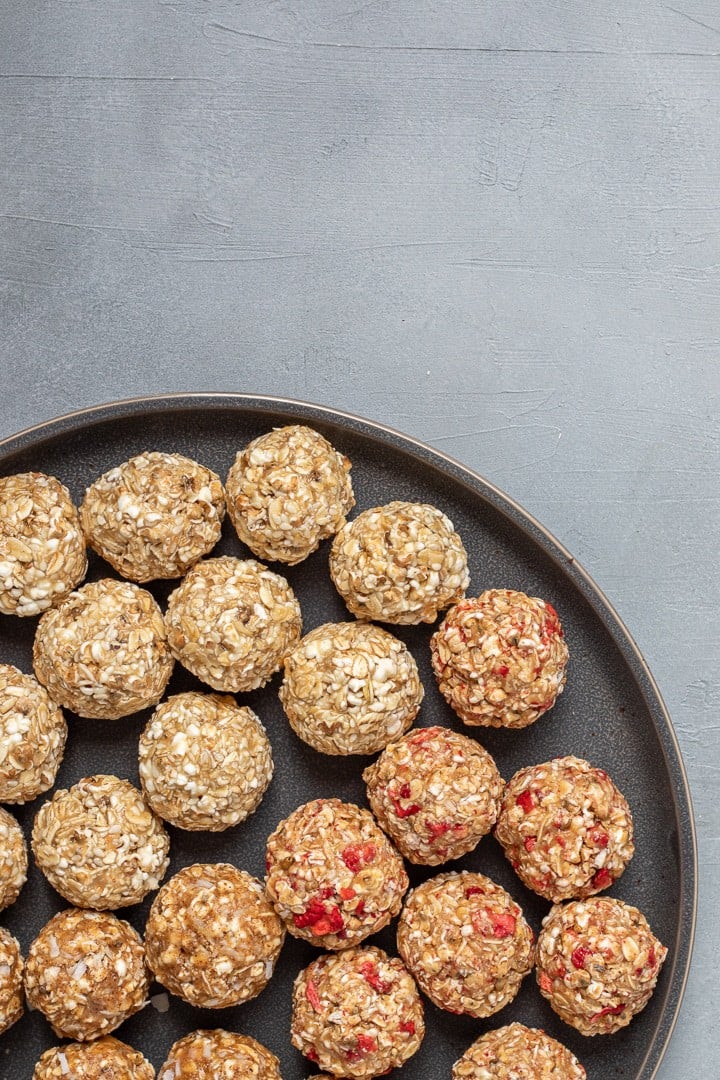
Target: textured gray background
(495, 226)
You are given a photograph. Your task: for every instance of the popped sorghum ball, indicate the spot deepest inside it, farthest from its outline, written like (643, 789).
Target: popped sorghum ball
(85, 972)
(99, 844)
(466, 942)
(212, 937)
(102, 1059)
(357, 1013)
(154, 515)
(42, 547)
(103, 652)
(13, 859)
(597, 963)
(435, 793)
(205, 761)
(350, 688)
(565, 828)
(12, 999)
(332, 875)
(516, 1052)
(219, 1055)
(32, 737)
(500, 658)
(232, 622)
(287, 491)
(399, 563)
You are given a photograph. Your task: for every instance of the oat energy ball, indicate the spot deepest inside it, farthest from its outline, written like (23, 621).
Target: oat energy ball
(349, 688)
(32, 737)
(435, 793)
(211, 937)
(517, 1052)
(12, 999)
(287, 491)
(154, 515)
(13, 859)
(99, 844)
(597, 963)
(565, 828)
(219, 1055)
(205, 761)
(232, 622)
(332, 875)
(86, 973)
(357, 1013)
(103, 1059)
(42, 547)
(466, 942)
(399, 563)
(103, 652)
(500, 658)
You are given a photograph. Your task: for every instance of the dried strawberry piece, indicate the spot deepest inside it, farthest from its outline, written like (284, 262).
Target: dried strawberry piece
(312, 995)
(355, 856)
(311, 1053)
(609, 1010)
(321, 918)
(438, 828)
(580, 955)
(347, 894)
(371, 975)
(408, 1026)
(651, 956)
(360, 908)
(526, 800)
(545, 983)
(423, 735)
(472, 890)
(365, 1045)
(312, 913)
(403, 811)
(601, 879)
(502, 670)
(599, 836)
(529, 842)
(503, 925)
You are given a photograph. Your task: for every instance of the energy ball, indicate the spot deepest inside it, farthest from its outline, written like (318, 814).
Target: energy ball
(357, 1013)
(500, 658)
(12, 999)
(466, 942)
(232, 622)
(211, 937)
(287, 491)
(99, 844)
(219, 1055)
(42, 547)
(103, 652)
(350, 688)
(565, 828)
(86, 973)
(205, 761)
(400, 563)
(517, 1052)
(154, 515)
(103, 1059)
(332, 875)
(13, 859)
(32, 737)
(597, 963)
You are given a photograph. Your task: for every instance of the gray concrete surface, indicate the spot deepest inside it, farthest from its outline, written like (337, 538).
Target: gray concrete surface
(494, 226)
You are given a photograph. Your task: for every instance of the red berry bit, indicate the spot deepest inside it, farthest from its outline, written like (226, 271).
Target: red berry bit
(502, 670)
(579, 956)
(503, 925)
(526, 800)
(546, 983)
(610, 1010)
(602, 879)
(355, 856)
(312, 995)
(472, 890)
(438, 828)
(365, 1045)
(408, 1026)
(321, 918)
(403, 811)
(529, 842)
(371, 975)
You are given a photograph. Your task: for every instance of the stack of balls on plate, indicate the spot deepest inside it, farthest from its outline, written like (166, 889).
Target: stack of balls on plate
(335, 871)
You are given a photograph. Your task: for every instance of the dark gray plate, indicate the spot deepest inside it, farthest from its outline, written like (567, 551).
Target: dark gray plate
(611, 713)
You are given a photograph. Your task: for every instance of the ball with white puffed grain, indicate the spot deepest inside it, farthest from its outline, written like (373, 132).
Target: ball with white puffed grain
(102, 1059)
(33, 733)
(13, 859)
(219, 1055)
(12, 999)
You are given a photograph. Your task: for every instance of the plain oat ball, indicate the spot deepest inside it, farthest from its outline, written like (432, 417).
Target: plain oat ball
(85, 972)
(13, 859)
(435, 793)
(565, 828)
(357, 1013)
(500, 658)
(287, 491)
(99, 844)
(350, 688)
(12, 999)
(42, 547)
(332, 875)
(154, 515)
(211, 937)
(32, 737)
(103, 1059)
(466, 942)
(516, 1052)
(597, 963)
(232, 622)
(400, 563)
(219, 1055)
(205, 761)
(103, 652)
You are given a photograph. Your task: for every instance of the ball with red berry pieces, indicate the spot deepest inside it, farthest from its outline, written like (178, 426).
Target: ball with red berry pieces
(516, 1052)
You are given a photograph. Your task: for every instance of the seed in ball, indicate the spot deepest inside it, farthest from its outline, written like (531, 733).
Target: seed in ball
(42, 547)
(32, 737)
(103, 652)
(219, 1055)
(12, 999)
(13, 859)
(102, 1059)
(205, 761)
(516, 1052)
